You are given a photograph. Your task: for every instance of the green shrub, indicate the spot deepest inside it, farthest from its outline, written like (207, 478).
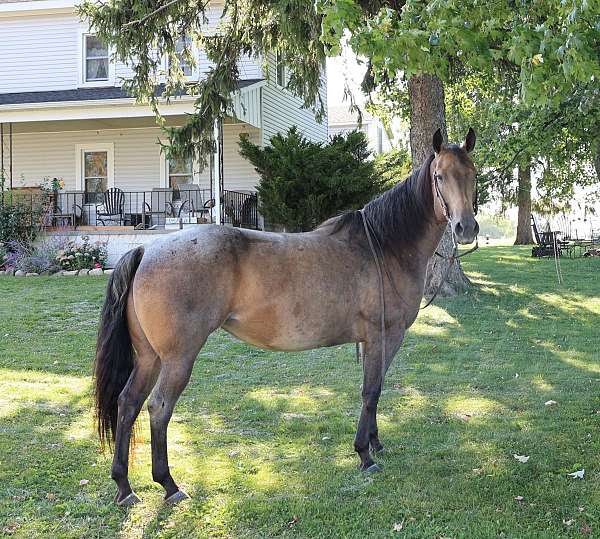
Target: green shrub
(19, 220)
(393, 166)
(303, 183)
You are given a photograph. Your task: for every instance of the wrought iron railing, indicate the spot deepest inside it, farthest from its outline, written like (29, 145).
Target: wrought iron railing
(140, 209)
(240, 209)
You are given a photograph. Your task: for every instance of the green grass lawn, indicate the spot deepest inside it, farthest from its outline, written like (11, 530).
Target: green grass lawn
(263, 441)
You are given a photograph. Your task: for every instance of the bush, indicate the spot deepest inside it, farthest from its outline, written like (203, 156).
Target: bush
(18, 221)
(86, 255)
(303, 183)
(393, 166)
(41, 258)
(3, 253)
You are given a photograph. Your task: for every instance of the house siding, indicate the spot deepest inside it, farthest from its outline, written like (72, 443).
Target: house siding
(42, 52)
(282, 110)
(38, 53)
(137, 159)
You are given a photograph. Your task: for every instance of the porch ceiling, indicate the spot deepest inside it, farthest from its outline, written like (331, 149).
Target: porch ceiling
(116, 112)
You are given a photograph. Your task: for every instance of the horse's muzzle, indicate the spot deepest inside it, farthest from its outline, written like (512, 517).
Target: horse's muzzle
(465, 230)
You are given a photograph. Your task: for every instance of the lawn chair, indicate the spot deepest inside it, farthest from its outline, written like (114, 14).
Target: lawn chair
(68, 209)
(161, 205)
(190, 200)
(112, 207)
(548, 243)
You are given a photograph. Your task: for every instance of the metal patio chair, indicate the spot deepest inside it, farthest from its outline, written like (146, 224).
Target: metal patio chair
(112, 207)
(161, 205)
(190, 197)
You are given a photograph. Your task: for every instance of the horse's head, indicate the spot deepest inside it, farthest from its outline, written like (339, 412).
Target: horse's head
(453, 183)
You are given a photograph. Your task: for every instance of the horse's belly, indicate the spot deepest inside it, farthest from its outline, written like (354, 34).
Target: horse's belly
(284, 335)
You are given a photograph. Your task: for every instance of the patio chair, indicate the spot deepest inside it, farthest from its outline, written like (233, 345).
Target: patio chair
(68, 209)
(190, 198)
(161, 205)
(112, 207)
(548, 243)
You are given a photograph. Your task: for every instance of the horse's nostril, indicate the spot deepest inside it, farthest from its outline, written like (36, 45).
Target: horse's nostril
(458, 229)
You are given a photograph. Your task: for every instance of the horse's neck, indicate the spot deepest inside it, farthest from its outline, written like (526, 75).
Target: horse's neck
(420, 249)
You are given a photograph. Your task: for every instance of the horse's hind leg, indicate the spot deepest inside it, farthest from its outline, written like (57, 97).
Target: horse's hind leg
(138, 387)
(174, 376)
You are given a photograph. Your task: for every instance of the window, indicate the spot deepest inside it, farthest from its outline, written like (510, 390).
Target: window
(96, 59)
(95, 175)
(183, 44)
(180, 172)
(279, 68)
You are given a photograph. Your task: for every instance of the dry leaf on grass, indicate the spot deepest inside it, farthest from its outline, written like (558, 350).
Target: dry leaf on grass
(292, 522)
(550, 403)
(521, 458)
(398, 526)
(84, 482)
(519, 498)
(578, 474)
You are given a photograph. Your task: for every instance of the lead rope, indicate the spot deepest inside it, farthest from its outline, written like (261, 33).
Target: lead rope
(381, 295)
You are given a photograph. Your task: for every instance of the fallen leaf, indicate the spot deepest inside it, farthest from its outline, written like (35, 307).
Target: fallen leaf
(568, 522)
(581, 509)
(325, 438)
(465, 417)
(520, 458)
(519, 498)
(50, 496)
(84, 482)
(477, 471)
(578, 474)
(292, 522)
(550, 403)
(398, 526)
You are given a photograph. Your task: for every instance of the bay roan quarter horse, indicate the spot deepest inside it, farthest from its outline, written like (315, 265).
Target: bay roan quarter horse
(276, 291)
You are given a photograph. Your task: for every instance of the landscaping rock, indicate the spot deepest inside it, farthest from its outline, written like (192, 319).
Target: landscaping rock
(9, 272)
(58, 274)
(96, 271)
(83, 272)
(19, 273)
(108, 271)
(32, 274)
(69, 273)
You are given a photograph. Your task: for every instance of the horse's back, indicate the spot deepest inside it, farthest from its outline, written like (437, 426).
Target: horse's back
(273, 290)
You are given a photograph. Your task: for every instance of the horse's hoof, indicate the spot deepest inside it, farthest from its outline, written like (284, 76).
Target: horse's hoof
(129, 500)
(374, 468)
(179, 496)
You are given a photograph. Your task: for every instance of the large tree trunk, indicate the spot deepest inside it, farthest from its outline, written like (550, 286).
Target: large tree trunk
(524, 234)
(427, 114)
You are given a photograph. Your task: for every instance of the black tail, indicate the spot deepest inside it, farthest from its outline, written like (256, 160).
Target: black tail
(114, 351)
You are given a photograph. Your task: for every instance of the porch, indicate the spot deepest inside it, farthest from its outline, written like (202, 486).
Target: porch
(120, 210)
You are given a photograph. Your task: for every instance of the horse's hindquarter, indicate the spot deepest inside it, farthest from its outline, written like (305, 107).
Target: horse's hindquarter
(296, 292)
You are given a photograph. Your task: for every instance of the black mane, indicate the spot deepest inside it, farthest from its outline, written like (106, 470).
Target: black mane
(399, 216)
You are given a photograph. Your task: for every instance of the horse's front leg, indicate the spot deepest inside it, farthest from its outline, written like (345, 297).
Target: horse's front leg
(367, 434)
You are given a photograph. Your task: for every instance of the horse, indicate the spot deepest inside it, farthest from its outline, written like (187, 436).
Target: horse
(278, 291)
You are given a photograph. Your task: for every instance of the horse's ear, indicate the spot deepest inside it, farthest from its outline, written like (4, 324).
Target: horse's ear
(470, 140)
(438, 141)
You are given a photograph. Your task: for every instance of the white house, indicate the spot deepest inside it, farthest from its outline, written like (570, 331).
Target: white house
(342, 121)
(63, 113)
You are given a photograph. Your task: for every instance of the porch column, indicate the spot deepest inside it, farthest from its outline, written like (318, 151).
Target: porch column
(217, 170)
